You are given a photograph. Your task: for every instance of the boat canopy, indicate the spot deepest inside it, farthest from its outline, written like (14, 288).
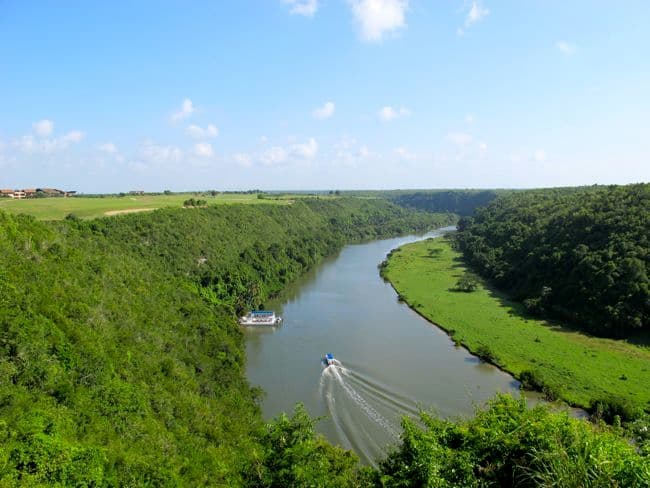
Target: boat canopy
(262, 312)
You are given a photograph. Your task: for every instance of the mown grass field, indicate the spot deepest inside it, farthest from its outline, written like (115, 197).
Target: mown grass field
(579, 367)
(86, 208)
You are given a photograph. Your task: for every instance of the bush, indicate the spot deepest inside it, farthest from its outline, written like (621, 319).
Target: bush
(467, 283)
(609, 407)
(486, 354)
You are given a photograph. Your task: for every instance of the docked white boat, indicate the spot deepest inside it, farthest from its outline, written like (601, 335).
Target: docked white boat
(260, 317)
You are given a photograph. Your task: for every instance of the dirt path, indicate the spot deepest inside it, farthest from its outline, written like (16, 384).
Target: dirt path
(128, 210)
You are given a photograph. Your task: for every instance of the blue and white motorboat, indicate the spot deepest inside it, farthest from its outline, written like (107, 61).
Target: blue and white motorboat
(328, 359)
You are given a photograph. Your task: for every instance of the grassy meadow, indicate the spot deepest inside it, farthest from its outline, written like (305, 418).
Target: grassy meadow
(92, 207)
(574, 366)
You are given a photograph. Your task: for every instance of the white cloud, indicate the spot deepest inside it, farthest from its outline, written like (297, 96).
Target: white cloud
(72, 137)
(273, 155)
(108, 147)
(470, 119)
(243, 159)
(283, 154)
(197, 132)
(324, 112)
(566, 48)
(378, 17)
(307, 150)
(539, 156)
(263, 139)
(348, 152)
(404, 154)
(43, 128)
(476, 13)
(43, 145)
(155, 153)
(459, 138)
(203, 149)
(187, 109)
(482, 147)
(302, 7)
(386, 114)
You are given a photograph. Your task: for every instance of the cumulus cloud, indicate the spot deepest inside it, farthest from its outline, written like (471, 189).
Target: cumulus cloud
(155, 153)
(302, 7)
(376, 18)
(284, 154)
(243, 159)
(349, 152)
(274, 155)
(43, 128)
(108, 147)
(539, 156)
(566, 48)
(324, 112)
(482, 147)
(203, 150)
(459, 138)
(404, 154)
(72, 137)
(387, 114)
(476, 13)
(45, 144)
(198, 132)
(307, 150)
(186, 110)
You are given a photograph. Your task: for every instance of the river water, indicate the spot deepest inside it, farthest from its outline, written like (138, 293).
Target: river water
(392, 361)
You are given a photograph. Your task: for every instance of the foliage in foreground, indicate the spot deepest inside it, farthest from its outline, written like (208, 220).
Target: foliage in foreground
(508, 445)
(581, 255)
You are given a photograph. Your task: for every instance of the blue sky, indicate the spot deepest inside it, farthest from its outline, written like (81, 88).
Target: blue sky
(323, 94)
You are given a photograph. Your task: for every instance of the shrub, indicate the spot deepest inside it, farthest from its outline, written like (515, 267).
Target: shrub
(467, 283)
(486, 354)
(609, 407)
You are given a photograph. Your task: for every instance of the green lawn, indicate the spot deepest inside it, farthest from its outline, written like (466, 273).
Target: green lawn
(579, 367)
(84, 207)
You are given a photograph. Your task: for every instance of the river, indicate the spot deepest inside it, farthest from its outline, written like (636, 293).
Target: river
(392, 361)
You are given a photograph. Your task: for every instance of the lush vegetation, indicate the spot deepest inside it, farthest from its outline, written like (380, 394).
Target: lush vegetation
(121, 363)
(585, 371)
(508, 445)
(461, 202)
(88, 207)
(581, 255)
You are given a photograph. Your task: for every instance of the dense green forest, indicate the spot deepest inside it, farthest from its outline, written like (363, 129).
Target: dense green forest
(581, 254)
(121, 363)
(461, 202)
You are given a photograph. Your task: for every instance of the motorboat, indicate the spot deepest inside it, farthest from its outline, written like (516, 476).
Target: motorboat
(328, 359)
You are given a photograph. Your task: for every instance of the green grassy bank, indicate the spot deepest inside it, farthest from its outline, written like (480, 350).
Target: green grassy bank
(573, 366)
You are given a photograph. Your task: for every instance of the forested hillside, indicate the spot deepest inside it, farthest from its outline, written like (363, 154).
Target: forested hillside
(581, 255)
(461, 202)
(121, 363)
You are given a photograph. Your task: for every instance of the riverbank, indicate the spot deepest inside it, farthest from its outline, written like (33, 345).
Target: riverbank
(567, 365)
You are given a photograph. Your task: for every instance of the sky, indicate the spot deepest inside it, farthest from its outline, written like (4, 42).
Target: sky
(323, 94)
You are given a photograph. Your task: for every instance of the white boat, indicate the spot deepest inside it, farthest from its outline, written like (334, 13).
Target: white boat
(260, 317)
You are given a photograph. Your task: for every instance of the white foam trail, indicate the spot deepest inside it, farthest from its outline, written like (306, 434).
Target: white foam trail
(364, 405)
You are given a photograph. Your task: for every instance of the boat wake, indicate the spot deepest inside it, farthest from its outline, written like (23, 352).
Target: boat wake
(366, 414)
